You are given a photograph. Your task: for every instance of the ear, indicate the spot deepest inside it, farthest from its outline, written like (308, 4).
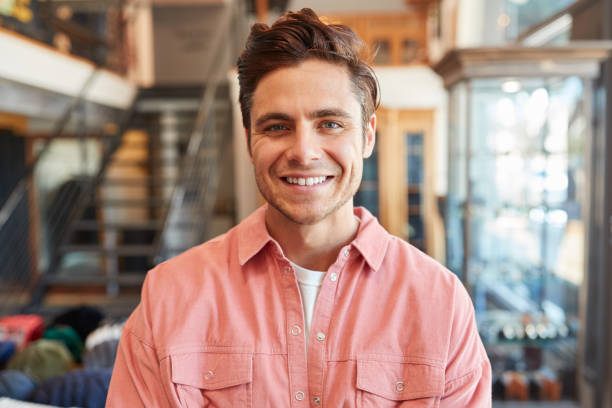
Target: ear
(370, 137)
(248, 145)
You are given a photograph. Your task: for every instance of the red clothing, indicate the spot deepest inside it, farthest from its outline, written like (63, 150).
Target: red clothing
(221, 325)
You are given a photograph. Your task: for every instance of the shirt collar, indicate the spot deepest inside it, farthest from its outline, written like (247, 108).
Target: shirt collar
(252, 235)
(371, 241)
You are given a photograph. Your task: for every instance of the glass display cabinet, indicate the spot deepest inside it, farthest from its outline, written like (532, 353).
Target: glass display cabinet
(520, 127)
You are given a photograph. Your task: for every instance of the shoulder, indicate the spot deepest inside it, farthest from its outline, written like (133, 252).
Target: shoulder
(190, 270)
(419, 268)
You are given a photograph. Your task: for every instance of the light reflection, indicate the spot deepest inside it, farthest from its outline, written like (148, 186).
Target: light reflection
(503, 142)
(558, 124)
(511, 86)
(535, 111)
(505, 112)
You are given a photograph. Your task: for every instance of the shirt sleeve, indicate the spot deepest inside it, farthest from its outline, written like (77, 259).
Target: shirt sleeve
(468, 371)
(136, 379)
(139, 379)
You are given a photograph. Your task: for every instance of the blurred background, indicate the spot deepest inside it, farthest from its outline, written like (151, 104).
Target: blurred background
(121, 145)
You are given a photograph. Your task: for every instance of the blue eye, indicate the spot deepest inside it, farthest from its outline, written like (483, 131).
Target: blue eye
(331, 125)
(276, 128)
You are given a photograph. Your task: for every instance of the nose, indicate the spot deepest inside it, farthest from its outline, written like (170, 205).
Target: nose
(304, 146)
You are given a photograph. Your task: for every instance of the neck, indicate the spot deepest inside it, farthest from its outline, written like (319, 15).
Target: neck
(313, 246)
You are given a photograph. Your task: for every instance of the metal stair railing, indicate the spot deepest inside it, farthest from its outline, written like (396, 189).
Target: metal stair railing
(78, 206)
(19, 269)
(195, 192)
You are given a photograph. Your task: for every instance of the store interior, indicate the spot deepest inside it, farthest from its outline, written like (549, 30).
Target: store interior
(121, 146)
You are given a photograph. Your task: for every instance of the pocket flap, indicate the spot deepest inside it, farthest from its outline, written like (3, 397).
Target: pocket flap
(212, 371)
(400, 381)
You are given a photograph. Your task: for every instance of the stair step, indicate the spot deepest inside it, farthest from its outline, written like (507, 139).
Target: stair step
(145, 163)
(162, 104)
(146, 202)
(122, 250)
(91, 225)
(123, 279)
(146, 144)
(114, 307)
(124, 182)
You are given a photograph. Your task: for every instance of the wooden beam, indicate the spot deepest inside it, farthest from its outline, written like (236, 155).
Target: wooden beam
(393, 204)
(16, 123)
(34, 225)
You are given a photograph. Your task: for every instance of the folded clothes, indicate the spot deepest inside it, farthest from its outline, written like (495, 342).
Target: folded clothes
(69, 337)
(81, 388)
(101, 346)
(42, 359)
(83, 319)
(7, 349)
(21, 329)
(15, 384)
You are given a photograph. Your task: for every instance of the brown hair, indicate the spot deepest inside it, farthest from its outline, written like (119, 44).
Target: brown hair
(294, 38)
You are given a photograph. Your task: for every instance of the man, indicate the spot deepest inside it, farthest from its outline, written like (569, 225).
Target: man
(309, 301)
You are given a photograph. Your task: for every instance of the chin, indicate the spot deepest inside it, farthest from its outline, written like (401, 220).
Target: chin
(305, 214)
(301, 217)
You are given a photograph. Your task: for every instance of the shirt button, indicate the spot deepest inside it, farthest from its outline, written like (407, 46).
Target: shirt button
(320, 336)
(346, 252)
(295, 330)
(399, 386)
(209, 375)
(333, 277)
(288, 269)
(316, 400)
(299, 395)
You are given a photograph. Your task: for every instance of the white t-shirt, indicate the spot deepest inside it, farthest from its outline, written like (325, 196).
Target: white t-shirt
(310, 284)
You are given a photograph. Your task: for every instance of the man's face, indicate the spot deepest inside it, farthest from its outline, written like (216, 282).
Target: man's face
(307, 141)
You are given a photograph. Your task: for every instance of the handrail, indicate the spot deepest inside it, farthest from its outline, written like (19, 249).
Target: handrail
(16, 253)
(576, 7)
(80, 204)
(197, 135)
(21, 187)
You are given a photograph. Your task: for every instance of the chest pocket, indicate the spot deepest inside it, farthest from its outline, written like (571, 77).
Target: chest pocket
(393, 384)
(204, 379)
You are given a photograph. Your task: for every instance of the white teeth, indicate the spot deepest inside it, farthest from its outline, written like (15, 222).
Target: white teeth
(305, 181)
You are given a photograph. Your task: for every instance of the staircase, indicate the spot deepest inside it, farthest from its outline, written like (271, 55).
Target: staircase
(155, 200)
(109, 191)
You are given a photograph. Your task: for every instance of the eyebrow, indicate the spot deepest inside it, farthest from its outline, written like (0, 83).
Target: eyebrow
(272, 116)
(339, 113)
(322, 113)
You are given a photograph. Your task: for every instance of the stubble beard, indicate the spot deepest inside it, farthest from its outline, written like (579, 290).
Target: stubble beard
(307, 215)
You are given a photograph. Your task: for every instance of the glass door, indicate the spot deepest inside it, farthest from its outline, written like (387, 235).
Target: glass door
(515, 228)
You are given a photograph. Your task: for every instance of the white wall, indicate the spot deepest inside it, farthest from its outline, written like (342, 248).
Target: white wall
(37, 65)
(245, 189)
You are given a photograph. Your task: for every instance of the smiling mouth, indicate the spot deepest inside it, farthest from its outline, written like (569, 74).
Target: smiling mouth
(306, 181)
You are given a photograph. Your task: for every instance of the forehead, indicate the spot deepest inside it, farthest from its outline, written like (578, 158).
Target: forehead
(310, 85)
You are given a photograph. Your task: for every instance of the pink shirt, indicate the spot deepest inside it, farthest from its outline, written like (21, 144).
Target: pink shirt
(222, 325)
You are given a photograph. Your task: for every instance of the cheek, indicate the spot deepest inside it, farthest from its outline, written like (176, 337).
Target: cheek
(347, 155)
(264, 155)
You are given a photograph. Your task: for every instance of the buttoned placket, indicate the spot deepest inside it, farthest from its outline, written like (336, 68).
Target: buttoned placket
(296, 344)
(321, 320)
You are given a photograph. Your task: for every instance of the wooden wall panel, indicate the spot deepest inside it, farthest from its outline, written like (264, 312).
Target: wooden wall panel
(395, 28)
